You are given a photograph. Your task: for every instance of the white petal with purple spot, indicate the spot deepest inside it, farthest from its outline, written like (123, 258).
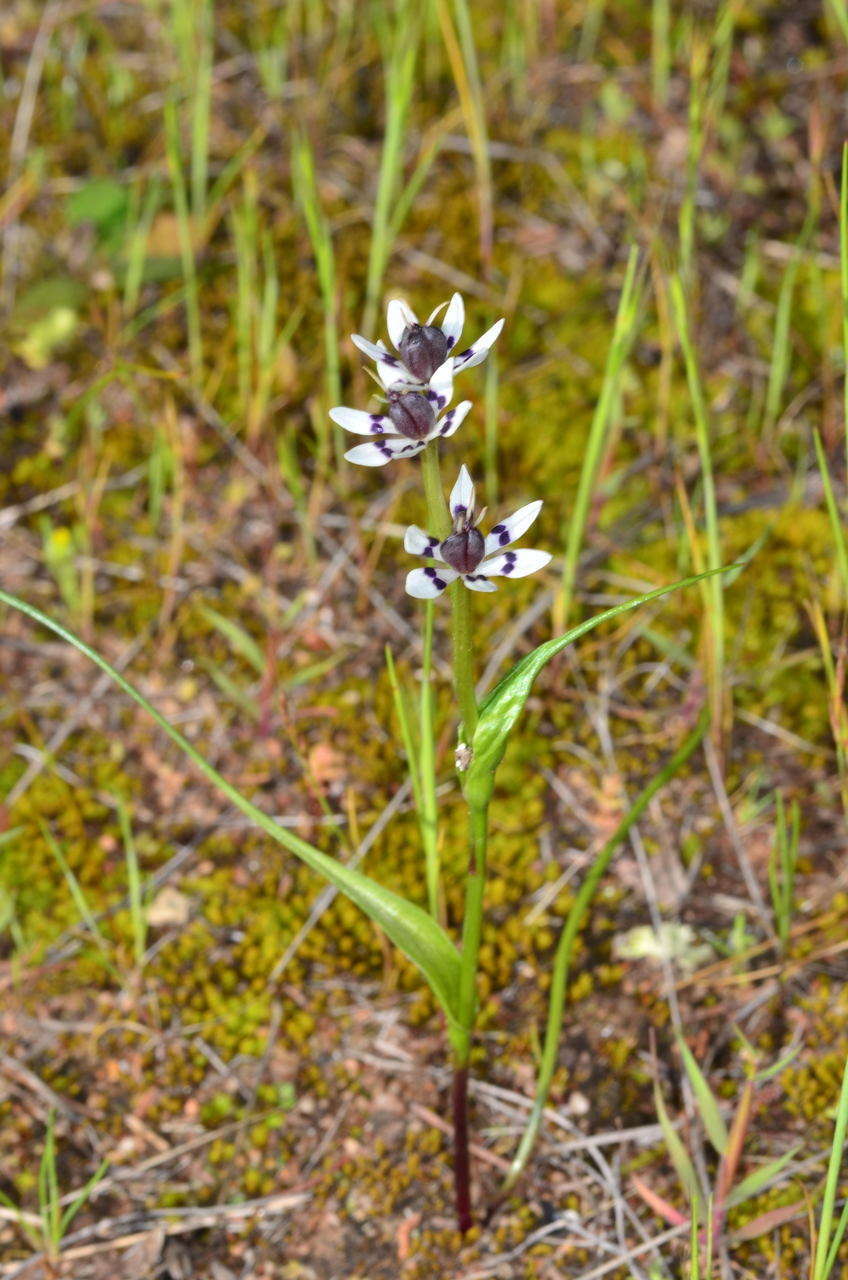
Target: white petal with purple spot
(419, 543)
(475, 582)
(477, 352)
(440, 389)
(396, 376)
(378, 454)
(514, 564)
(426, 584)
(376, 350)
(511, 529)
(462, 494)
(362, 423)
(454, 320)
(451, 421)
(398, 316)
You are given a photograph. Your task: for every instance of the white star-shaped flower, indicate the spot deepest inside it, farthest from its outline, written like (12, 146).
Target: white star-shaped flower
(468, 555)
(409, 422)
(423, 348)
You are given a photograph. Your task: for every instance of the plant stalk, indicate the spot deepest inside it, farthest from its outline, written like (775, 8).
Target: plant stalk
(438, 519)
(472, 927)
(461, 1153)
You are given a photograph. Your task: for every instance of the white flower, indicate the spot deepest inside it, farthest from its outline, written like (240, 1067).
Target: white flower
(466, 554)
(423, 348)
(409, 423)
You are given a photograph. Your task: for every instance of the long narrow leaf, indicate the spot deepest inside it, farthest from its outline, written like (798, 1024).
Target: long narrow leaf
(678, 1153)
(836, 524)
(822, 1262)
(623, 336)
(411, 929)
(502, 707)
(755, 1181)
(707, 1106)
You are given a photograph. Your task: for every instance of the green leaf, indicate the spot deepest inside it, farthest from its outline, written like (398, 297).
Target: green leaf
(679, 1155)
(408, 926)
(502, 707)
(708, 1108)
(755, 1181)
(102, 201)
(241, 641)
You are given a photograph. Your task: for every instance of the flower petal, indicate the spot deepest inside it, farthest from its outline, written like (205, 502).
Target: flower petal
(427, 583)
(511, 529)
(451, 421)
(378, 454)
(477, 352)
(462, 494)
(476, 582)
(362, 423)
(514, 564)
(374, 350)
(419, 543)
(454, 320)
(440, 389)
(396, 375)
(398, 316)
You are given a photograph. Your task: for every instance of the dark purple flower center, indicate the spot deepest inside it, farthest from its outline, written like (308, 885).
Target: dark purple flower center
(463, 551)
(423, 347)
(411, 413)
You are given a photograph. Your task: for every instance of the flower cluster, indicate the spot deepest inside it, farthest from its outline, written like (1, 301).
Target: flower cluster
(418, 385)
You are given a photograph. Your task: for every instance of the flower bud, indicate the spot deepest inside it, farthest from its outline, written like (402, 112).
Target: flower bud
(463, 551)
(423, 347)
(411, 413)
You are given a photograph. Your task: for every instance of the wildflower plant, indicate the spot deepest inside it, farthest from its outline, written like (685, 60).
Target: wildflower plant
(463, 560)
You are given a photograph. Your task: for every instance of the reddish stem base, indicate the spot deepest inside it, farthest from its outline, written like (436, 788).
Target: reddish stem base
(461, 1154)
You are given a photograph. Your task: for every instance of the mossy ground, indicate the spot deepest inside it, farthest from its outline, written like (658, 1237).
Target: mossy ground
(135, 498)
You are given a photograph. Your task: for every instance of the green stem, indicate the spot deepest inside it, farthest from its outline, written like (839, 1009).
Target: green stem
(463, 659)
(472, 921)
(438, 512)
(472, 927)
(565, 946)
(428, 807)
(439, 522)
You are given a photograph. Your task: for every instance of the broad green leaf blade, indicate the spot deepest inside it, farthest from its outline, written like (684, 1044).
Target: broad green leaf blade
(502, 707)
(708, 1108)
(408, 926)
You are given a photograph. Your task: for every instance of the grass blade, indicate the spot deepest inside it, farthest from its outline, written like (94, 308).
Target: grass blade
(186, 241)
(305, 186)
(836, 523)
(624, 333)
(826, 1244)
(714, 588)
(458, 35)
(708, 1108)
(400, 55)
